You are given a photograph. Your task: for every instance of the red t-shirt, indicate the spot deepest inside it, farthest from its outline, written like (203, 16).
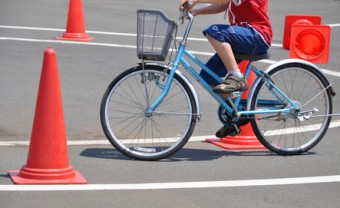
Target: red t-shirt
(254, 13)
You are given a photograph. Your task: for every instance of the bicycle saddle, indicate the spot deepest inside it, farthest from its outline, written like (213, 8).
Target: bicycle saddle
(251, 57)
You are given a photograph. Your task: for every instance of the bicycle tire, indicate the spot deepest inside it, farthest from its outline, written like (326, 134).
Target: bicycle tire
(286, 134)
(143, 136)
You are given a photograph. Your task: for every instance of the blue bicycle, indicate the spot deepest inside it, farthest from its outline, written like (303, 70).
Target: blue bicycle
(149, 111)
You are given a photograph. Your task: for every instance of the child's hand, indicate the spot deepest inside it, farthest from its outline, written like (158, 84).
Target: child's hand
(186, 5)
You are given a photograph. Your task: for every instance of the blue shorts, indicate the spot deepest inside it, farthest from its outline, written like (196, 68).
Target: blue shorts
(241, 39)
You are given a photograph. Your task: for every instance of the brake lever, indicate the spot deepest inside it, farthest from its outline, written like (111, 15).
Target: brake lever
(183, 15)
(184, 12)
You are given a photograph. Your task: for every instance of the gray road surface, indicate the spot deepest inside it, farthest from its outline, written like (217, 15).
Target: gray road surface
(86, 70)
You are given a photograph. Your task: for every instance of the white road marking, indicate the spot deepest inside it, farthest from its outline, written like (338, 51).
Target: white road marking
(99, 32)
(334, 25)
(175, 185)
(95, 142)
(333, 73)
(334, 124)
(326, 71)
(68, 42)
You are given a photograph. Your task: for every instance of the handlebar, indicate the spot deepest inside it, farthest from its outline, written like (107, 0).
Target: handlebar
(184, 14)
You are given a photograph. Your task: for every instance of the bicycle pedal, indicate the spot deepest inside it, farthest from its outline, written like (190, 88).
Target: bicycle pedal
(235, 133)
(237, 129)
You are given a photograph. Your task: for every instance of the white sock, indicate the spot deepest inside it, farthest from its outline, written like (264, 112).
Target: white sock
(235, 72)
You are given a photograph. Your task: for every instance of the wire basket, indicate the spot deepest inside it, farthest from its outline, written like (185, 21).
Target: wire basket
(154, 34)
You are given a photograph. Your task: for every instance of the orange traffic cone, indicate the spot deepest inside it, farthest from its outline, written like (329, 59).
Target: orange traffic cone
(47, 161)
(297, 20)
(246, 139)
(311, 43)
(75, 29)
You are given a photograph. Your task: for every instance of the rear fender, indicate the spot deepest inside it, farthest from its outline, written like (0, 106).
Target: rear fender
(287, 61)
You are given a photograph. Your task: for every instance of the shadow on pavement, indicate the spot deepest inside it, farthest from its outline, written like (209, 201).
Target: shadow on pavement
(185, 154)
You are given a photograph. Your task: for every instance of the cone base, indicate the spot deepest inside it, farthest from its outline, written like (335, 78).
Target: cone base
(76, 37)
(237, 143)
(46, 178)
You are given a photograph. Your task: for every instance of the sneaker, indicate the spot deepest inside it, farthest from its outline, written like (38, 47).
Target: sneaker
(232, 83)
(230, 130)
(226, 131)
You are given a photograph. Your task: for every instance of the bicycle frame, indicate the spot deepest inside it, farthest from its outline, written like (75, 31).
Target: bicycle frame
(182, 53)
(180, 59)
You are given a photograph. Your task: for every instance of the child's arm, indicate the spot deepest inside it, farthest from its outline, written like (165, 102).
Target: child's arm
(216, 6)
(211, 9)
(210, 1)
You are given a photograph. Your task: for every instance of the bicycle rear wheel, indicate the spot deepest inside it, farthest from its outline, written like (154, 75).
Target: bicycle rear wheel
(295, 132)
(147, 136)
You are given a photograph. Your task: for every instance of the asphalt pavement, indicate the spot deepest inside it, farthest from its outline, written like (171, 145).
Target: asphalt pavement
(201, 174)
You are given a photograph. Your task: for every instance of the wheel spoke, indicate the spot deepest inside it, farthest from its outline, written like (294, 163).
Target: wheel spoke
(141, 135)
(291, 133)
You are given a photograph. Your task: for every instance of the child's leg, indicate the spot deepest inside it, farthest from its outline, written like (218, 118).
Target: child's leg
(234, 81)
(225, 53)
(245, 40)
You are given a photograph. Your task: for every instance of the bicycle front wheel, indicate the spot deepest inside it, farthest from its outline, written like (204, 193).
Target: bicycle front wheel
(295, 132)
(135, 132)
